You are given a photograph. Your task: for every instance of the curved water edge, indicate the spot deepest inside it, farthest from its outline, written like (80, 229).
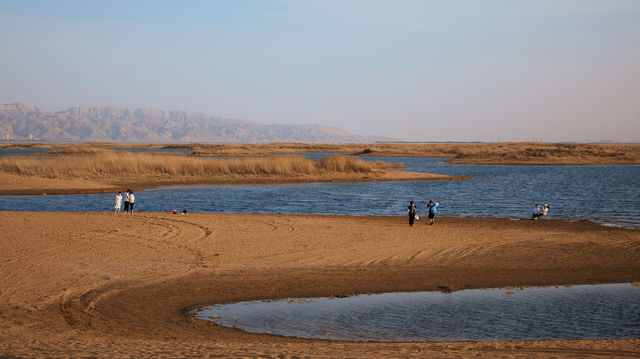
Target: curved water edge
(604, 311)
(603, 194)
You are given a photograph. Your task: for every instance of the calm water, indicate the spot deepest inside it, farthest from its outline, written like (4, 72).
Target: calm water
(25, 151)
(604, 194)
(151, 150)
(578, 312)
(30, 151)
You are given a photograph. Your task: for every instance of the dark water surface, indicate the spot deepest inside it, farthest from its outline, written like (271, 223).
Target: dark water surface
(25, 151)
(603, 194)
(30, 151)
(579, 312)
(177, 150)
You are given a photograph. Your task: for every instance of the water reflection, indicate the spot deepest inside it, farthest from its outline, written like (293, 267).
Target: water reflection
(577, 312)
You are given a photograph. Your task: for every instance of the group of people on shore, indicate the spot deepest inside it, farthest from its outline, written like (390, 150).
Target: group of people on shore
(432, 210)
(129, 200)
(539, 212)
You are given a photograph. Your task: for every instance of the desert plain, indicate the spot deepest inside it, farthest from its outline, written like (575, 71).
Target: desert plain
(105, 285)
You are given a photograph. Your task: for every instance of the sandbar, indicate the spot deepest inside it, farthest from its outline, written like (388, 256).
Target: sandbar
(11, 184)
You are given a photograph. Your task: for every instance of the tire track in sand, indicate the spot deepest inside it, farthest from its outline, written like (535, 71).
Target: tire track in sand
(78, 304)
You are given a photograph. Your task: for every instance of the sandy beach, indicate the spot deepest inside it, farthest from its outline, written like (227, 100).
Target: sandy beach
(99, 285)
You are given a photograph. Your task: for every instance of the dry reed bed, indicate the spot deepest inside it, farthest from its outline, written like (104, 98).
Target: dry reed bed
(477, 153)
(91, 162)
(535, 153)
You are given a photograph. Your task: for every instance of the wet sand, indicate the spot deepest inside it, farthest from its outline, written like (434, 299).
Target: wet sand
(99, 285)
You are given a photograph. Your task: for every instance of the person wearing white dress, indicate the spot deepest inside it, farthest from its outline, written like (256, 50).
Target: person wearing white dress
(117, 203)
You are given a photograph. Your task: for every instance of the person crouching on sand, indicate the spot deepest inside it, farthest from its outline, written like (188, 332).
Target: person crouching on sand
(536, 213)
(117, 203)
(411, 210)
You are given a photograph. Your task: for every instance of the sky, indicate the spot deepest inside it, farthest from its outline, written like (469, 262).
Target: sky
(508, 70)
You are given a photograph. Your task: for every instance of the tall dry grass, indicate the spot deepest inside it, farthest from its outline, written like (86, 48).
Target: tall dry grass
(550, 153)
(103, 163)
(79, 149)
(480, 153)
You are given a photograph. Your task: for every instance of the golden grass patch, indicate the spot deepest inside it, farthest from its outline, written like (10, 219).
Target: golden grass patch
(95, 162)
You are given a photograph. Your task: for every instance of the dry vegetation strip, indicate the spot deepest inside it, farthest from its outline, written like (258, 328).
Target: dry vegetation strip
(475, 153)
(94, 162)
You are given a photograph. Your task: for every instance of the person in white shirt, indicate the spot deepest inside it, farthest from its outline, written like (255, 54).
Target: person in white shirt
(132, 199)
(126, 201)
(545, 209)
(117, 203)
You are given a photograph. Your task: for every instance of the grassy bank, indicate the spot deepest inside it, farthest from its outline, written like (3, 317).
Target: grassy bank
(97, 163)
(97, 169)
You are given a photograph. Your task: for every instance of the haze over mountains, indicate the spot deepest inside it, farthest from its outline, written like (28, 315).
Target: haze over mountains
(111, 124)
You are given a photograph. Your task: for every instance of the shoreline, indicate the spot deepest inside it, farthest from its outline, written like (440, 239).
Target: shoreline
(104, 285)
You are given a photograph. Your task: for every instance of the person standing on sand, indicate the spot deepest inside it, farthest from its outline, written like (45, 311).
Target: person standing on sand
(126, 201)
(412, 213)
(132, 200)
(432, 210)
(117, 203)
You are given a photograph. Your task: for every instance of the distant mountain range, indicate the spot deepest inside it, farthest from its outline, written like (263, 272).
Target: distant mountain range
(19, 122)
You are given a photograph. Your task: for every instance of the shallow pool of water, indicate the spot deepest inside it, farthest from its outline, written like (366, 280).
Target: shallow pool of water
(577, 312)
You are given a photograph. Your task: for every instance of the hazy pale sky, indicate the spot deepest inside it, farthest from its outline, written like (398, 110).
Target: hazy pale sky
(510, 70)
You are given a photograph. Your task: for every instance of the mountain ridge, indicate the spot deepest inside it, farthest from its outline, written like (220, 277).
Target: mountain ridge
(147, 125)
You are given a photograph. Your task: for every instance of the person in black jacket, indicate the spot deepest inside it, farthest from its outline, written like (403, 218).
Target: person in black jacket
(412, 213)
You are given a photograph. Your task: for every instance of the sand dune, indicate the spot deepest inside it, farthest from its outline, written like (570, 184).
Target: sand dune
(99, 285)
